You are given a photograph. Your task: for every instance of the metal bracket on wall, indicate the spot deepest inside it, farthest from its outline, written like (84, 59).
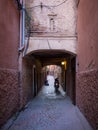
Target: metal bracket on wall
(19, 5)
(77, 2)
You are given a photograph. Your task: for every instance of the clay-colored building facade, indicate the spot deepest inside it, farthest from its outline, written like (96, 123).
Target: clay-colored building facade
(87, 76)
(65, 29)
(9, 43)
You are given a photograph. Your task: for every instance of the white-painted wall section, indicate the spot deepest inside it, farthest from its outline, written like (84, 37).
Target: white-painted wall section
(53, 25)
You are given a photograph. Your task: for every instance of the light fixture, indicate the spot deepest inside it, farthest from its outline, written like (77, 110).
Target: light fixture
(64, 63)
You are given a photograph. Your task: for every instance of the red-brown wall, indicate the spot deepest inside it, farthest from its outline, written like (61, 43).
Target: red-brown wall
(9, 42)
(87, 76)
(70, 79)
(27, 84)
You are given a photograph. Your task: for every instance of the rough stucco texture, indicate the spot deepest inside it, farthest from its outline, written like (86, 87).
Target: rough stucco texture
(87, 96)
(61, 22)
(8, 94)
(9, 40)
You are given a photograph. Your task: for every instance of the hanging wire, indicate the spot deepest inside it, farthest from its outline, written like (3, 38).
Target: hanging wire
(59, 4)
(42, 5)
(49, 7)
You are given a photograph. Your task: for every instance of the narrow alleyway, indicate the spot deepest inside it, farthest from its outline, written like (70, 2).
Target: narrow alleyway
(49, 112)
(41, 37)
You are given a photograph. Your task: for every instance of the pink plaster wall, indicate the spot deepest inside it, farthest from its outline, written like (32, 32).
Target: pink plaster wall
(87, 75)
(9, 34)
(9, 40)
(87, 34)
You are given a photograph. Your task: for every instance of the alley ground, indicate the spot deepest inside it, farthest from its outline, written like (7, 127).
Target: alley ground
(48, 112)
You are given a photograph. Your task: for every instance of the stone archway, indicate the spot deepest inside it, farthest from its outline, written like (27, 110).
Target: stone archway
(43, 58)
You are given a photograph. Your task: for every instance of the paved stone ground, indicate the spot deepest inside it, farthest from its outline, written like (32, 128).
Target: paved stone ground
(48, 113)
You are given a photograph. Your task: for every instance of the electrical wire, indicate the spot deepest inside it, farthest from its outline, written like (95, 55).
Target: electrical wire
(49, 7)
(59, 4)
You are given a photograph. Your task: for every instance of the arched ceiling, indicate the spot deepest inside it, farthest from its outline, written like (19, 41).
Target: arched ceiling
(51, 56)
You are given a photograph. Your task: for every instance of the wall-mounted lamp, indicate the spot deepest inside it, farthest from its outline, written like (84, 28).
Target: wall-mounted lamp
(64, 63)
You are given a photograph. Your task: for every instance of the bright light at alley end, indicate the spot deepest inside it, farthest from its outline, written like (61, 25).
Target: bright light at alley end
(64, 63)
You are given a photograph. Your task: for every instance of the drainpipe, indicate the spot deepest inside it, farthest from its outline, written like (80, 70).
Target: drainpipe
(21, 7)
(23, 25)
(21, 48)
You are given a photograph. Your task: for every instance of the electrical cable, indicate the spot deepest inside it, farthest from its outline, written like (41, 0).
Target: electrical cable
(49, 7)
(59, 4)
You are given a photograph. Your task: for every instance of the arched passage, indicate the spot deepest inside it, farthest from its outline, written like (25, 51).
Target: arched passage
(43, 58)
(50, 47)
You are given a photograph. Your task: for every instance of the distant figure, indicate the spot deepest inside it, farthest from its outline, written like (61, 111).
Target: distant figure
(46, 83)
(58, 88)
(56, 85)
(51, 80)
(50, 84)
